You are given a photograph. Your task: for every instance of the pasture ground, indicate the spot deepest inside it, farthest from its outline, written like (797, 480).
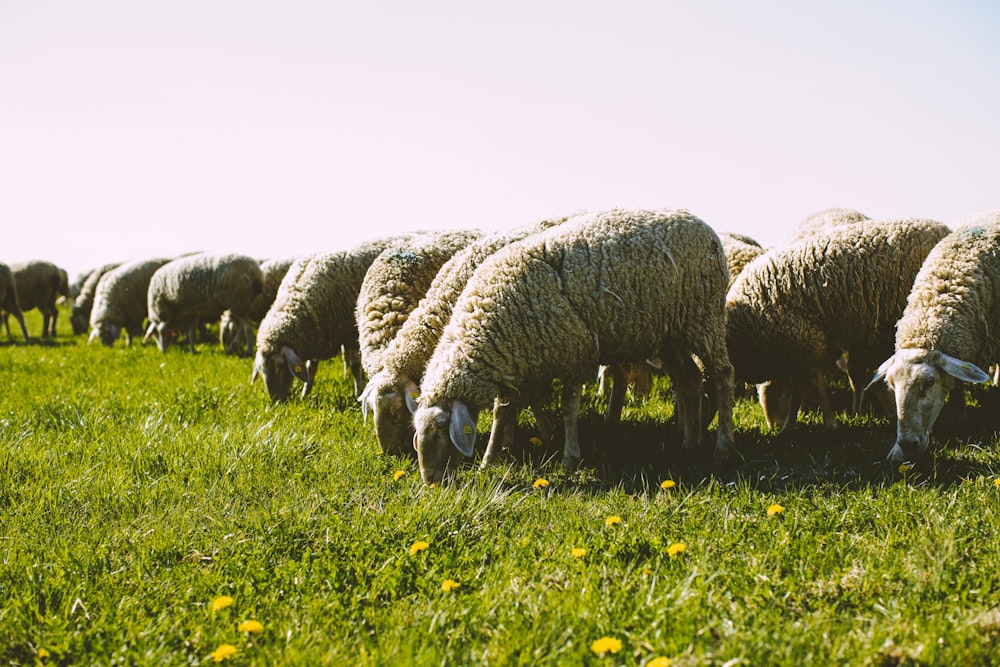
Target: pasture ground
(141, 492)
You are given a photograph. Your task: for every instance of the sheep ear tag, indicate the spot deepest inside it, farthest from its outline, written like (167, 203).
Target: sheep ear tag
(462, 429)
(961, 370)
(295, 365)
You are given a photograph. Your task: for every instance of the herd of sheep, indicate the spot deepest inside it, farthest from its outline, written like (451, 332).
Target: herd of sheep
(438, 326)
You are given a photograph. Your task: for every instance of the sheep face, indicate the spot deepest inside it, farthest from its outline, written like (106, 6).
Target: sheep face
(278, 371)
(393, 422)
(442, 430)
(921, 381)
(79, 321)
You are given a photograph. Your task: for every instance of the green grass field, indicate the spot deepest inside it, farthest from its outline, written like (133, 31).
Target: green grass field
(139, 488)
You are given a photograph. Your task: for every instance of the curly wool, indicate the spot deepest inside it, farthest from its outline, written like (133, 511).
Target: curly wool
(393, 286)
(120, 299)
(797, 308)
(956, 296)
(740, 250)
(190, 289)
(823, 222)
(614, 286)
(83, 304)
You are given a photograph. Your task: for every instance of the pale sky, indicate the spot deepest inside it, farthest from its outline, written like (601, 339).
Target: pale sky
(133, 128)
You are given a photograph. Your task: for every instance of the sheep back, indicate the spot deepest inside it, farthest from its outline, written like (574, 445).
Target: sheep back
(84, 302)
(119, 300)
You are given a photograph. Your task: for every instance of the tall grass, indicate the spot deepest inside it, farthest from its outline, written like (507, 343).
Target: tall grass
(136, 488)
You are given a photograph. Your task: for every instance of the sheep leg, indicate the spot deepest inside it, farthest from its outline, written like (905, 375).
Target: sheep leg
(354, 361)
(825, 403)
(546, 429)
(20, 322)
(616, 397)
(720, 376)
(685, 379)
(502, 433)
(570, 404)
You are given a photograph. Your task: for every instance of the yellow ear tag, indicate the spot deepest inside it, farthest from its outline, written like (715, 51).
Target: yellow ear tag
(298, 368)
(468, 430)
(414, 395)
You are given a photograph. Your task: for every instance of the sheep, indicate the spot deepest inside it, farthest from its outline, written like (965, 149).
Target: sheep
(389, 394)
(191, 289)
(393, 286)
(272, 270)
(614, 286)
(943, 337)
(823, 222)
(119, 300)
(312, 318)
(796, 309)
(40, 284)
(9, 303)
(740, 250)
(79, 317)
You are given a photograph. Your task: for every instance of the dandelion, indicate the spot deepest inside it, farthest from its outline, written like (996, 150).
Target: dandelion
(224, 652)
(417, 547)
(903, 468)
(42, 654)
(996, 482)
(540, 483)
(396, 475)
(775, 509)
(449, 585)
(667, 484)
(579, 552)
(221, 602)
(535, 440)
(676, 548)
(659, 662)
(613, 520)
(251, 626)
(606, 645)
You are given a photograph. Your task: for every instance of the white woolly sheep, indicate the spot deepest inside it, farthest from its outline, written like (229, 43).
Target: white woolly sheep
(823, 222)
(390, 392)
(796, 309)
(192, 289)
(9, 304)
(273, 271)
(119, 301)
(943, 337)
(83, 303)
(394, 284)
(611, 287)
(312, 318)
(40, 284)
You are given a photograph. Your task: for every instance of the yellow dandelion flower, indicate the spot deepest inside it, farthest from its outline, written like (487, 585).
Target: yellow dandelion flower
(676, 548)
(579, 552)
(996, 482)
(449, 585)
(606, 645)
(540, 483)
(775, 509)
(251, 626)
(224, 652)
(667, 484)
(646, 572)
(659, 662)
(417, 547)
(399, 473)
(903, 468)
(613, 520)
(42, 654)
(535, 440)
(221, 602)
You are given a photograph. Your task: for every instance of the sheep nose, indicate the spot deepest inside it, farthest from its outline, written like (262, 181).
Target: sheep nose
(909, 446)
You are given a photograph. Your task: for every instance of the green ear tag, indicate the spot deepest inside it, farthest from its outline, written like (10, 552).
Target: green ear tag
(298, 368)
(468, 430)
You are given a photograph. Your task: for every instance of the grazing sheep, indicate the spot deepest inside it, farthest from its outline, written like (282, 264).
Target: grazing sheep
(40, 285)
(796, 309)
(611, 287)
(944, 336)
(823, 222)
(389, 394)
(9, 304)
(312, 318)
(740, 250)
(273, 270)
(393, 286)
(119, 301)
(79, 317)
(192, 289)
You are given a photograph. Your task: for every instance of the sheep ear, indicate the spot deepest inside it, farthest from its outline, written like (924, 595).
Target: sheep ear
(258, 368)
(961, 370)
(295, 365)
(93, 336)
(462, 428)
(410, 394)
(150, 331)
(363, 400)
(879, 374)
